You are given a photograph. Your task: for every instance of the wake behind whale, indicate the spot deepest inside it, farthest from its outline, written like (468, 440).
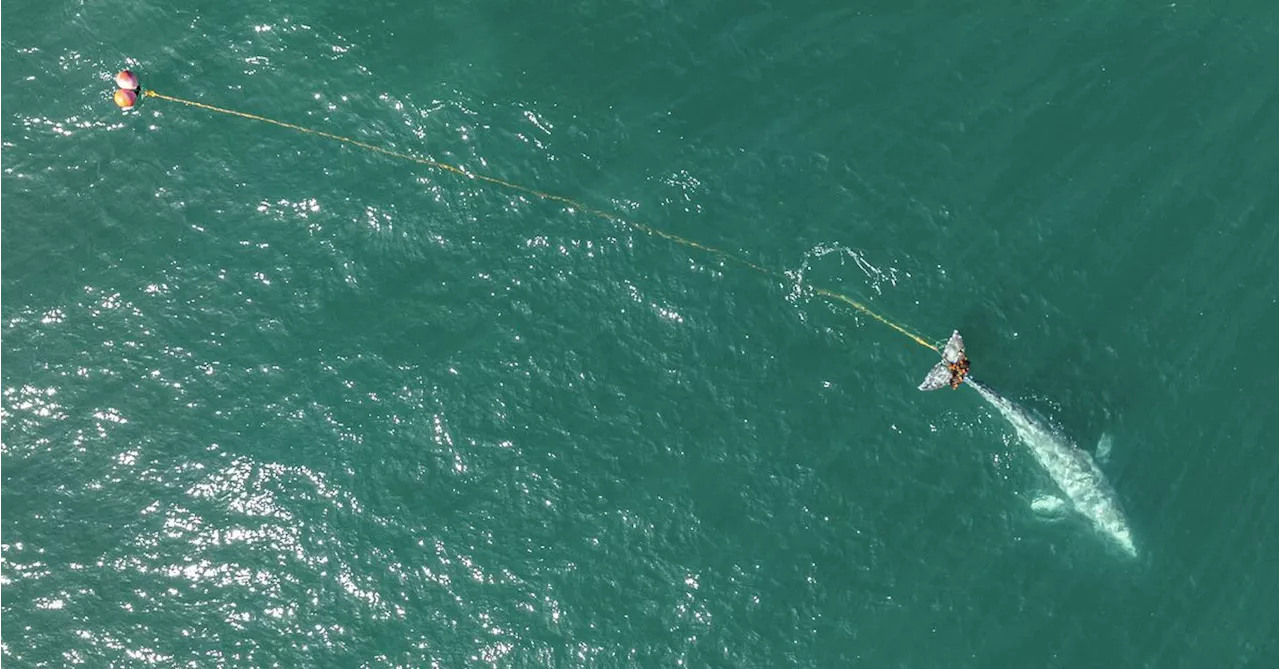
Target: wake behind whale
(1072, 469)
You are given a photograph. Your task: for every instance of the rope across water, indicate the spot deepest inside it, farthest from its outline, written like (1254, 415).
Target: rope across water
(569, 202)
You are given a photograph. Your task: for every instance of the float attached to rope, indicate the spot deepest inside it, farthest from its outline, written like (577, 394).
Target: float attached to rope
(127, 90)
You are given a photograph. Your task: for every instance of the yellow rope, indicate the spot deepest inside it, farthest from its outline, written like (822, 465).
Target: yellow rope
(867, 310)
(544, 196)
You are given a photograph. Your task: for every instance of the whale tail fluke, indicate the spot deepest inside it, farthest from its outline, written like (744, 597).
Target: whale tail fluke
(952, 369)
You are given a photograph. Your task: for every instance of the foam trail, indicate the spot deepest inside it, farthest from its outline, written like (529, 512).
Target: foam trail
(1071, 469)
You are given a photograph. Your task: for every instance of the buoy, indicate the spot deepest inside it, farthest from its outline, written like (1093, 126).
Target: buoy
(125, 99)
(126, 80)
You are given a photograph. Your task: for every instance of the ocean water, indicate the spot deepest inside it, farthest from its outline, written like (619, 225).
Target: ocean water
(269, 399)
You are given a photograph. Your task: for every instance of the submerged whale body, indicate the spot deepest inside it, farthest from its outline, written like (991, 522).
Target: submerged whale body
(1072, 469)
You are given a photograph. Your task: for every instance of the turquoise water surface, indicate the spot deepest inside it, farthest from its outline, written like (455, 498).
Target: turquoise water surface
(272, 399)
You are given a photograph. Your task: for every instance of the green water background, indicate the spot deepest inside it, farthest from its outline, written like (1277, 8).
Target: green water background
(271, 399)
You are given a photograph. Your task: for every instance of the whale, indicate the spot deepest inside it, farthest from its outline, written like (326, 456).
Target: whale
(1072, 469)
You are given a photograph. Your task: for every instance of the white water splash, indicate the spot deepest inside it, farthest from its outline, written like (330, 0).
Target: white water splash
(877, 277)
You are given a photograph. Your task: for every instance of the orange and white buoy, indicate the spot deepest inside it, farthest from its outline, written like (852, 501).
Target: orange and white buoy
(125, 99)
(127, 80)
